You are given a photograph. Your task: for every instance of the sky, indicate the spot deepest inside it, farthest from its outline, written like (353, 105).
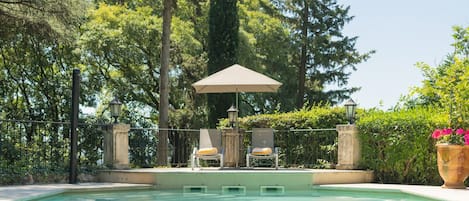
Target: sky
(403, 32)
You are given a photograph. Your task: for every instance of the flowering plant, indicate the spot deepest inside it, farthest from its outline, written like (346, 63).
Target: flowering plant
(451, 136)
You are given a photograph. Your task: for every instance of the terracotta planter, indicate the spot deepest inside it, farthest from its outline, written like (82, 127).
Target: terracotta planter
(453, 164)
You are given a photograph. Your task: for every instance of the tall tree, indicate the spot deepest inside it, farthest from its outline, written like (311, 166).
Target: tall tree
(36, 62)
(222, 50)
(325, 55)
(265, 46)
(36, 57)
(56, 18)
(164, 88)
(122, 52)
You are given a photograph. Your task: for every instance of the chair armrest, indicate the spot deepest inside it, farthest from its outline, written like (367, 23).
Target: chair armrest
(194, 151)
(276, 150)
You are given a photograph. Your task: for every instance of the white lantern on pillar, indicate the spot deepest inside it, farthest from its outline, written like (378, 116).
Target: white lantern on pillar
(115, 107)
(350, 106)
(232, 115)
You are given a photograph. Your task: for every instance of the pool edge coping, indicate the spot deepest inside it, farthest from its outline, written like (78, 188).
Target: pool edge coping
(430, 192)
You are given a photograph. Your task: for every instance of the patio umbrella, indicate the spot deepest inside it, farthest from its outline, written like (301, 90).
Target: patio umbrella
(235, 79)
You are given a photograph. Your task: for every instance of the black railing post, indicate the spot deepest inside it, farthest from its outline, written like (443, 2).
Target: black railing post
(73, 127)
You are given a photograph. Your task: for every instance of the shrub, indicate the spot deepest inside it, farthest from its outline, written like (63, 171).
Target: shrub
(316, 149)
(398, 146)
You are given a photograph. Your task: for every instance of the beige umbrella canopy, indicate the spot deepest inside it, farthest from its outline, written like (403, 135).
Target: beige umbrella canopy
(234, 79)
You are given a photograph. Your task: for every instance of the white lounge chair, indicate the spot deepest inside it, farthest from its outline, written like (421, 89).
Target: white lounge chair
(210, 148)
(262, 146)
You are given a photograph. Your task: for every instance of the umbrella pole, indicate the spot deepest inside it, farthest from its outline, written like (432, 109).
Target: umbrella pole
(237, 101)
(237, 109)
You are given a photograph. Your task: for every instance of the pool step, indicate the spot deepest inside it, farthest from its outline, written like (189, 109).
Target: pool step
(233, 190)
(272, 190)
(194, 189)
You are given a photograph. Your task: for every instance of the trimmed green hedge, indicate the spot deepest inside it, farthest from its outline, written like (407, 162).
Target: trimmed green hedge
(315, 117)
(301, 148)
(398, 146)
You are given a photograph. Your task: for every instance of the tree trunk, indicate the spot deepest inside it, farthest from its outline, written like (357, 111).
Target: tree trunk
(164, 84)
(303, 57)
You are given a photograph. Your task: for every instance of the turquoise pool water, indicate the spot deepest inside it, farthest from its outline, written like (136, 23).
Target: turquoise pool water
(314, 195)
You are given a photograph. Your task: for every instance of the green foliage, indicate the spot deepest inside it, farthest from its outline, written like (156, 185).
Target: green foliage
(122, 47)
(447, 86)
(461, 42)
(313, 117)
(222, 34)
(41, 150)
(265, 46)
(298, 147)
(398, 147)
(222, 50)
(440, 102)
(118, 51)
(49, 18)
(121, 44)
(323, 55)
(37, 57)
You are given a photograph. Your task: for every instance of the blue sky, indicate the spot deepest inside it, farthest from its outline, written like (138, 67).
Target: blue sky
(402, 33)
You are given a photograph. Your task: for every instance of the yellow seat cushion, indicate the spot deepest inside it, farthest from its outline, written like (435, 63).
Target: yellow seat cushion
(208, 151)
(261, 151)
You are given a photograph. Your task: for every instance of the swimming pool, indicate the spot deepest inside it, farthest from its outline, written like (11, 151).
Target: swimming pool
(316, 194)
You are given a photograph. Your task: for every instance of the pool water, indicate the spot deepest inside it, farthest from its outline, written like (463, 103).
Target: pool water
(313, 195)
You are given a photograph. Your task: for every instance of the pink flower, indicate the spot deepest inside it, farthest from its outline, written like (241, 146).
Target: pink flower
(437, 133)
(447, 131)
(451, 136)
(466, 139)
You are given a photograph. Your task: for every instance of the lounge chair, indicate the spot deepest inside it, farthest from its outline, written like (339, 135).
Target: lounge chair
(209, 147)
(262, 146)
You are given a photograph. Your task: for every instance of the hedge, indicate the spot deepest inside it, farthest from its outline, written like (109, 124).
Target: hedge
(398, 146)
(301, 148)
(314, 117)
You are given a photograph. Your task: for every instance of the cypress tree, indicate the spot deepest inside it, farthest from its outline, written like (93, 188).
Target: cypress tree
(222, 51)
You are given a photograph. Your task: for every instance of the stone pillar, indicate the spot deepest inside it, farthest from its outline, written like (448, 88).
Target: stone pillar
(116, 146)
(349, 147)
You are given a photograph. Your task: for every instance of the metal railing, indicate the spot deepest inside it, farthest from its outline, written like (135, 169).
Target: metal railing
(143, 146)
(312, 148)
(43, 147)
